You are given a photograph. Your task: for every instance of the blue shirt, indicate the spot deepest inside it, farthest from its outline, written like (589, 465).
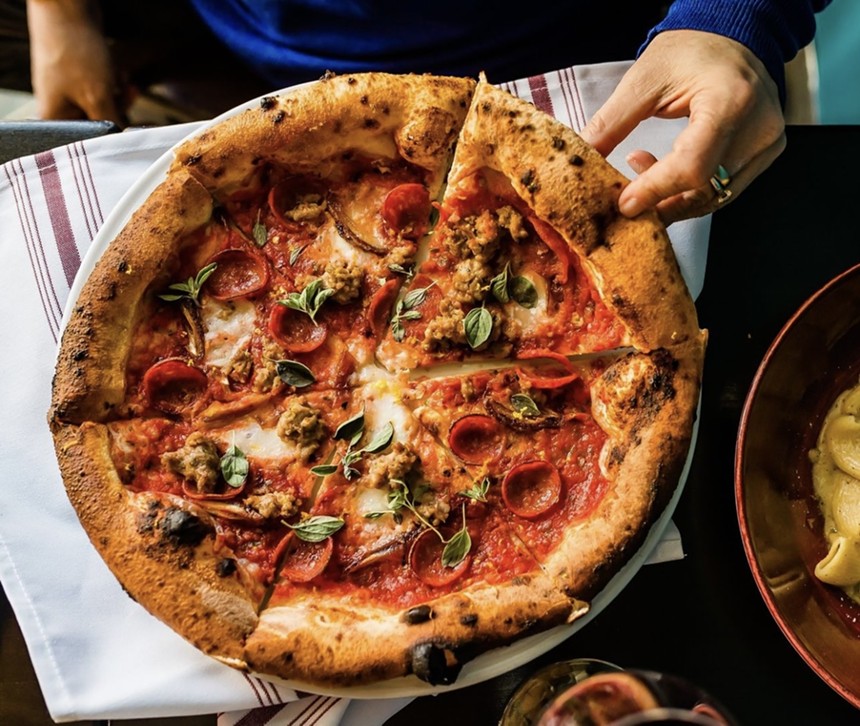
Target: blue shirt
(288, 41)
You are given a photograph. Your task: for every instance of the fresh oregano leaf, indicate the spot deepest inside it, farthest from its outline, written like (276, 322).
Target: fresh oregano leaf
(457, 548)
(316, 529)
(234, 467)
(324, 469)
(294, 373)
(524, 405)
(350, 428)
(478, 325)
(381, 440)
(523, 291)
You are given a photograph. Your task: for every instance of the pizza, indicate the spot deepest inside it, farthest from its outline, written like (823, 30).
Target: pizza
(375, 380)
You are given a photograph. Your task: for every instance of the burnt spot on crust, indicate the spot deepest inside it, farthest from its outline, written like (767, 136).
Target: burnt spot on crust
(576, 160)
(435, 664)
(364, 100)
(470, 620)
(371, 123)
(418, 614)
(80, 355)
(225, 567)
(192, 159)
(558, 143)
(626, 310)
(529, 181)
(182, 528)
(268, 102)
(279, 117)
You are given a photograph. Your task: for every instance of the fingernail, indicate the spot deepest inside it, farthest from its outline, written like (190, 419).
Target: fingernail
(634, 163)
(630, 207)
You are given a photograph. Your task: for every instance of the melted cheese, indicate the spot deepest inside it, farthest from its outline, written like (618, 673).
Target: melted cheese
(530, 318)
(382, 403)
(228, 328)
(257, 442)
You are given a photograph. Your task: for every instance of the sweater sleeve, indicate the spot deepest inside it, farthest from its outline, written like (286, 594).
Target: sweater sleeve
(775, 30)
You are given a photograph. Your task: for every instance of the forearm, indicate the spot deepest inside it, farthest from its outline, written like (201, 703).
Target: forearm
(774, 30)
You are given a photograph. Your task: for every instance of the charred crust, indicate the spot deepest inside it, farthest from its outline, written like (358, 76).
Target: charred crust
(577, 160)
(558, 143)
(192, 159)
(182, 528)
(418, 614)
(268, 102)
(279, 116)
(371, 123)
(122, 267)
(225, 567)
(470, 620)
(529, 181)
(364, 100)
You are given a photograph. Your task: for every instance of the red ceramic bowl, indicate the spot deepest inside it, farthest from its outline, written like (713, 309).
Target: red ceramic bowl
(813, 359)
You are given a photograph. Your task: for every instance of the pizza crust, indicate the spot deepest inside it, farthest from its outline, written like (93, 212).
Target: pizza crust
(310, 129)
(322, 640)
(569, 185)
(165, 560)
(89, 382)
(647, 404)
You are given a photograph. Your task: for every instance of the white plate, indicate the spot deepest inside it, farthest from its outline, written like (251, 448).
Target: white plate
(485, 666)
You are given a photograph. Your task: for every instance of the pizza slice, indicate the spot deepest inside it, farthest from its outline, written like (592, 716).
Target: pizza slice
(391, 569)
(333, 186)
(578, 457)
(531, 252)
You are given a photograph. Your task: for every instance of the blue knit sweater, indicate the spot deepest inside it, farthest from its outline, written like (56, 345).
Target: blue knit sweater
(287, 41)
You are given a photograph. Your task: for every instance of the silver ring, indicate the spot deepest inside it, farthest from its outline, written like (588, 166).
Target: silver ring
(720, 182)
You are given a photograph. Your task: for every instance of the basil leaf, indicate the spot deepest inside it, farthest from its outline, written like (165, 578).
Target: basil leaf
(478, 325)
(524, 291)
(457, 548)
(381, 440)
(348, 429)
(324, 469)
(524, 405)
(294, 373)
(499, 285)
(234, 467)
(316, 529)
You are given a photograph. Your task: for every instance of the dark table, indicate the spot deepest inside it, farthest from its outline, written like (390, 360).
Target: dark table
(701, 618)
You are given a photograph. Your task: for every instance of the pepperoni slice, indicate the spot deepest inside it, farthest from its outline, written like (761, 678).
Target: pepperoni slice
(556, 243)
(379, 309)
(295, 330)
(303, 561)
(227, 492)
(172, 385)
(238, 273)
(425, 559)
(406, 209)
(476, 438)
(532, 488)
(566, 375)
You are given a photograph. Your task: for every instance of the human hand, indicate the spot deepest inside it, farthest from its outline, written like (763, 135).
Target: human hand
(72, 70)
(735, 121)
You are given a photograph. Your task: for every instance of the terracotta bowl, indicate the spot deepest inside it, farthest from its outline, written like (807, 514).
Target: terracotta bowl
(813, 359)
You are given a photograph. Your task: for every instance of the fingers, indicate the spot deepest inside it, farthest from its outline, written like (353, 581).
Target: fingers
(704, 199)
(697, 152)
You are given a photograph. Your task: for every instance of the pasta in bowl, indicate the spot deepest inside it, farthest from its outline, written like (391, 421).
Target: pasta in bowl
(796, 489)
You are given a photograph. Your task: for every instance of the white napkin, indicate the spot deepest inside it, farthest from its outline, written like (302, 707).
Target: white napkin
(97, 654)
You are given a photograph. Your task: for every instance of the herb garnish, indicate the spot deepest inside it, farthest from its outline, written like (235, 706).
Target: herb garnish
(519, 289)
(261, 234)
(478, 490)
(190, 289)
(294, 373)
(478, 325)
(524, 405)
(456, 548)
(310, 300)
(352, 431)
(405, 310)
(234, 466)
(295, 252)
(316, 529)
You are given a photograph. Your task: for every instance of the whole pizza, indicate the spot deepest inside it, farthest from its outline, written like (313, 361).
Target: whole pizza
(375, 380)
